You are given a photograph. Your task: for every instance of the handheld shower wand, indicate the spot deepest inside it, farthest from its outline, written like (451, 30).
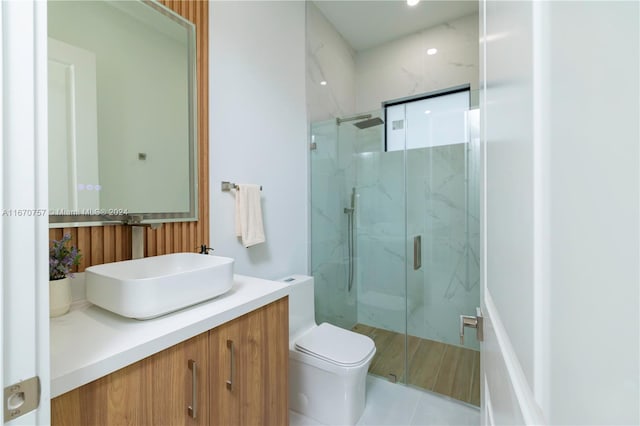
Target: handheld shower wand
(350, 237)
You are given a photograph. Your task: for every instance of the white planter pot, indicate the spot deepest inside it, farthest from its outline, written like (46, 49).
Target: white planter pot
(59, 297)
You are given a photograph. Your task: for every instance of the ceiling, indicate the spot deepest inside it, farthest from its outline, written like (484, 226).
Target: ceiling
(365, 24)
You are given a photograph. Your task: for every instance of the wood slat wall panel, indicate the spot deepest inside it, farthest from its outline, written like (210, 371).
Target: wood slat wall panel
(84, 244)
(97, 249)
(103, 244)
(109, 243)
(192, 232)
(168, 239)
(177, 237)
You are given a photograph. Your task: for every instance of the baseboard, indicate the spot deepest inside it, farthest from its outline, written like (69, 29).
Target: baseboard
(524, 398)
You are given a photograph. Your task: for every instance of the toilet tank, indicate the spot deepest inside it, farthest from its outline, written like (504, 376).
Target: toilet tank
(302, 313)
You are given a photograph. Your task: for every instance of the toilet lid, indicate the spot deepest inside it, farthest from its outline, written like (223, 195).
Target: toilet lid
(335, 344)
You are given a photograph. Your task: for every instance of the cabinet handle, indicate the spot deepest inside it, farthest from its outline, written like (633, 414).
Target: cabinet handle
(232, 364)
(193, 408)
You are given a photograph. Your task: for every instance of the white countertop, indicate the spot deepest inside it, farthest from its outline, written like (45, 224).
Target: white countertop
(90, 342)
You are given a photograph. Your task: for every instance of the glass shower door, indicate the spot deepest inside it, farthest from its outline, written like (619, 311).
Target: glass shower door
(331, 159)
(381, 247)
(443, 232)
(358, 247)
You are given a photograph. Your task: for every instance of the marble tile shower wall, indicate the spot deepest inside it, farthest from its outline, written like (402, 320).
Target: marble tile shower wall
(329, 59)
(402, 68)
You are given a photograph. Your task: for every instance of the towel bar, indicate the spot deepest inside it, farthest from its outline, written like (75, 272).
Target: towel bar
(228, 186)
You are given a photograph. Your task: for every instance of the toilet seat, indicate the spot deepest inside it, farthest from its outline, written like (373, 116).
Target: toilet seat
(336, 345)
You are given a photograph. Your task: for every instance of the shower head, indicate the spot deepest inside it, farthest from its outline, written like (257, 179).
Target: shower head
(339, 120)
(365, 124)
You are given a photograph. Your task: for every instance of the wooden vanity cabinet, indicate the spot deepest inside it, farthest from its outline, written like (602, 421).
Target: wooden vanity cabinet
(154, 391)
(249, 384)
(158, 390)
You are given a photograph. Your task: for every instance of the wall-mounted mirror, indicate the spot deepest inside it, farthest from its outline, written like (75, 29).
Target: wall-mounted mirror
(122, 113)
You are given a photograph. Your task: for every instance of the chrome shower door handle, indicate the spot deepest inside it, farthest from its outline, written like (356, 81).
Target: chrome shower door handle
(473, 322)
(417, 252)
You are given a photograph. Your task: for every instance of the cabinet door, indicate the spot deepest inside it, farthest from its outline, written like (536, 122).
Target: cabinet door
(250, 368)
(154, 391)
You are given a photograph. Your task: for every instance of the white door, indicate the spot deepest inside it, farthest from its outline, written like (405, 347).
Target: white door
(561, 212)
(508, 242)
(24, 306)
(73, 117)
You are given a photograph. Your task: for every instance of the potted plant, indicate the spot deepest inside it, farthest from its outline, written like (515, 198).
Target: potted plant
(61, 260)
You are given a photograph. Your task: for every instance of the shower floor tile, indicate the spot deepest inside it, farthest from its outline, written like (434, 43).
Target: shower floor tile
(439, 367)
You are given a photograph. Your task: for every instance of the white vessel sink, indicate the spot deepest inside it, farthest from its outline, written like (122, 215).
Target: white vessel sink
(153, 286)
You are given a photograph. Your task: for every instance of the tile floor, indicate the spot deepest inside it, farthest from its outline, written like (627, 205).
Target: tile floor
(399, 405)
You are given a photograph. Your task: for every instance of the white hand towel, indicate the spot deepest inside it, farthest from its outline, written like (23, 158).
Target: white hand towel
(249, 225)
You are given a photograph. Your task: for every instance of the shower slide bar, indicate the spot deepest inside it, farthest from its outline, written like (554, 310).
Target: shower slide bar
(350, 237)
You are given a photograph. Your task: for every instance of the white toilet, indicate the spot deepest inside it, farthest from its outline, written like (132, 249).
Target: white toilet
(327, 365)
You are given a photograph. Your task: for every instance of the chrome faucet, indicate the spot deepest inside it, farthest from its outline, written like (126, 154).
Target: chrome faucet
(137, 234)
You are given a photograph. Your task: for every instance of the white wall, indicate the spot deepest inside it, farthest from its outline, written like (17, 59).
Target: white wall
(594, 174)
(258, 130)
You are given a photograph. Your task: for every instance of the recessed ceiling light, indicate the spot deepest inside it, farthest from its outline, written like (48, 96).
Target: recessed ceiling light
(323, 83)
(412, 2)
(428, 111)
(432, 51)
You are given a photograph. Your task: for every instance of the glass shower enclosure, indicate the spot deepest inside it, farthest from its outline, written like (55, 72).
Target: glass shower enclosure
(395, 235)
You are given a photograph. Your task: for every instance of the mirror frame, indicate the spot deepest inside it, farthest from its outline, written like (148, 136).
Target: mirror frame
(117, 216)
